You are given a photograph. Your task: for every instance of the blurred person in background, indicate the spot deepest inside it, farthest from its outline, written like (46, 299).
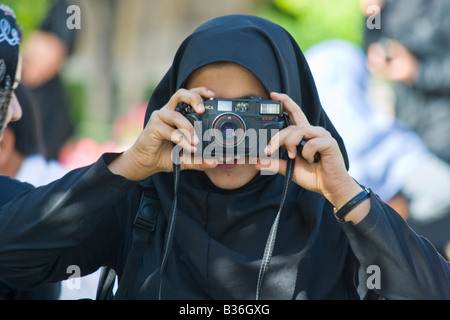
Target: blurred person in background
(21, 158)
(10, 111)
(23, 152)
(412, 50)
(22, 155)
(383, 152)
(45, 54)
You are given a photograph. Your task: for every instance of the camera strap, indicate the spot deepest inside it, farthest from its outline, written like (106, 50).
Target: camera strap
(171, 226)
(270, 243)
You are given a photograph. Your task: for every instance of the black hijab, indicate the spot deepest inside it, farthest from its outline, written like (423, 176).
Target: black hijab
(221, 234)
(264, 48)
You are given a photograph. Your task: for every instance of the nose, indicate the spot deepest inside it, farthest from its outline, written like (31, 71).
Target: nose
(16, 109)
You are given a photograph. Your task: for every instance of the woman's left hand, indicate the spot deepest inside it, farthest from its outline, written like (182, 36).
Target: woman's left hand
(328, 176)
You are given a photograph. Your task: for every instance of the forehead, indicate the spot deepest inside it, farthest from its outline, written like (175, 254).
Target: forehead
(227, 80)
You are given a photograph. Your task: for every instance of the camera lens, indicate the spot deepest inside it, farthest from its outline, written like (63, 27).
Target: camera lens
(229, 129)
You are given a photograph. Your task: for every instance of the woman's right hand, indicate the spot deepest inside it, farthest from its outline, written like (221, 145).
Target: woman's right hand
(152, 151)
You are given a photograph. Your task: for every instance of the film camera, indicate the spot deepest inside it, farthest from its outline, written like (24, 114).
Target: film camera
(240, 127)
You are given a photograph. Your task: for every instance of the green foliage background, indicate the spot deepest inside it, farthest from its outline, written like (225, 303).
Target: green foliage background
(312, 21)
(309, 22)
(29, 12)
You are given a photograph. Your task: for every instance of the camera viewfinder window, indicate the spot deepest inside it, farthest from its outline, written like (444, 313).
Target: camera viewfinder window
(270, 108)
(224, 105)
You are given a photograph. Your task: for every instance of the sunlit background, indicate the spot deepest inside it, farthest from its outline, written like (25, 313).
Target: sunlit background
(124, 47)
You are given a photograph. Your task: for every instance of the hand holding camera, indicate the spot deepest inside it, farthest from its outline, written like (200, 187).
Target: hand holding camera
(235, 127)
(238, 127)
(328, 176)
(152, 151)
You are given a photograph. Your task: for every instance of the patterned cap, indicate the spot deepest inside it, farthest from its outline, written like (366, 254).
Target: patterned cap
(9, 58)
(9, 46)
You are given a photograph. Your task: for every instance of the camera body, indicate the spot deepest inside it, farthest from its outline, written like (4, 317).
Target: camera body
(237, 127)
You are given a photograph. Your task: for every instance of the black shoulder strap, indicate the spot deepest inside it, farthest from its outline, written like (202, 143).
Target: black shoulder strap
(144, 225)
(106, 284)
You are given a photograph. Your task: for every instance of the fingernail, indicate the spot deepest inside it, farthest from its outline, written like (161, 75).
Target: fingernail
(195, 139)
(201, 107)
(267, 150)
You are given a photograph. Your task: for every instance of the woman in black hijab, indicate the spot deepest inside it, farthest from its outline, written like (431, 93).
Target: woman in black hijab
(222, 243)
